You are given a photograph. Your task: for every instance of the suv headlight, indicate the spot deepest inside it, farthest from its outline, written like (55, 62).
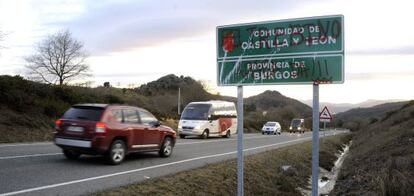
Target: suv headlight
(290, 127)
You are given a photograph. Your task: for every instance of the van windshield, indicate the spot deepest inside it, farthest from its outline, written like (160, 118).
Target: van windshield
(296, 122)
(196, 112)
(270, 124)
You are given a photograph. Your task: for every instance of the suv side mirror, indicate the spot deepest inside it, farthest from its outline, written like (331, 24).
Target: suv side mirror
(155, 123)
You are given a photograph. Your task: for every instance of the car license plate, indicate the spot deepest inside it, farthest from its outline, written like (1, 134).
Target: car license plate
(74, 129)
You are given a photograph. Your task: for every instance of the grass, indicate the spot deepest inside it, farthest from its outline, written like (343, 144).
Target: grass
(381, 159)
(14, 134)
(20, 127)
(263, 174)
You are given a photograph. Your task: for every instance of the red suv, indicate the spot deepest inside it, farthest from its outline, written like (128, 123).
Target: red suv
(111, 130)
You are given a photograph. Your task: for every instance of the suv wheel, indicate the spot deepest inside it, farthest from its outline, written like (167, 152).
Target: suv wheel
(166, 148)
(182, 136)
(70, 154)
(117, 152)
(205, 134)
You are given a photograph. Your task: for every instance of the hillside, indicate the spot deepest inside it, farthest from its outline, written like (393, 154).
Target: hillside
(361, 117)
(381, 160)
(336, 108)
(162, 94)
(273, 106)
(28, 109)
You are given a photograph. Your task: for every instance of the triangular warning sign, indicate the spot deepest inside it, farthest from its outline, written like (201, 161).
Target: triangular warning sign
(325, 114)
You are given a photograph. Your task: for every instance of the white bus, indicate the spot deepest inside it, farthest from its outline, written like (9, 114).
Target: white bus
(209, 118)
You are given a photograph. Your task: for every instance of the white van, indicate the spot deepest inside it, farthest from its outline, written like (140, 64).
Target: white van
(209, 118)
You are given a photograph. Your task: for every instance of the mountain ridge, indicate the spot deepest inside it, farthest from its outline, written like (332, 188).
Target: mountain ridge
(336, 108)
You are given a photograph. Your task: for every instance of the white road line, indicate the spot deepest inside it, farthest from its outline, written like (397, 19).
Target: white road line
(178, 144)
(45, 143)
(185, 143)
(26, 144)
(142, 169)
(221, 140)
(29, 155)
(31, 144)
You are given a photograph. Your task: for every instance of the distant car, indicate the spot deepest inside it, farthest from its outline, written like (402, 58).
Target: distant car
(111, 130)
(272, 128)
(297, 125)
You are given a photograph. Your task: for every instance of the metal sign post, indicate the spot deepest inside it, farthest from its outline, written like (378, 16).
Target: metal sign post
(240, 140)
(325, 116)
(315, 140)
(292, 51)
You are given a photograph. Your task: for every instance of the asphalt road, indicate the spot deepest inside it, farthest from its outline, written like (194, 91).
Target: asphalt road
(41, 169)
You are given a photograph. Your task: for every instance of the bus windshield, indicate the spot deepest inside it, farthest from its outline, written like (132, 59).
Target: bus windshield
(196, 112)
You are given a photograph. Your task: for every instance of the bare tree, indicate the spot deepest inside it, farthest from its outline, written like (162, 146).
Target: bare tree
(58, 59)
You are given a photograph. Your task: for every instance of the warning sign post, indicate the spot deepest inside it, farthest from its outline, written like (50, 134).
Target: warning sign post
(325, 115)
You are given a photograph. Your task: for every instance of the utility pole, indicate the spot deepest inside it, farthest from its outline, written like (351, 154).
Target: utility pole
(179, 101)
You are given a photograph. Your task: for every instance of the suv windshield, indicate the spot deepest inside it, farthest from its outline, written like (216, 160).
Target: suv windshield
(269, 124)
(83, 113)
(296, 122)
(196, 112)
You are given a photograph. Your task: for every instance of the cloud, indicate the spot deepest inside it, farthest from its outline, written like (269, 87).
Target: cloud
(127, 75)
(403, 50)
(385, 76)
(120, 25)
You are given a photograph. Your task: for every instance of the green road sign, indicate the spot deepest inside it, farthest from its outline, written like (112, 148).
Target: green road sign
(296, 51)
(271, 70)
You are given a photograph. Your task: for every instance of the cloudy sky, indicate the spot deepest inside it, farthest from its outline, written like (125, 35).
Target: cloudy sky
(135, 42)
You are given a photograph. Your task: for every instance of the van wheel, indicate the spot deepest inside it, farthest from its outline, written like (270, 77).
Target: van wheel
(228, 134)
(205, 134)
(166, 148)
(182, 136)
(70, 154)
(117, 152)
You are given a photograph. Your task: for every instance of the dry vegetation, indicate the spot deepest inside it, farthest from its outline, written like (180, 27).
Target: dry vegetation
(17, 127)
(263, 174)
(28, 109)
(381, 160)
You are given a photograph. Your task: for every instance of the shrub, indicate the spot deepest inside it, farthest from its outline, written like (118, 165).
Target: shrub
(113, 99)
(373, 120)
